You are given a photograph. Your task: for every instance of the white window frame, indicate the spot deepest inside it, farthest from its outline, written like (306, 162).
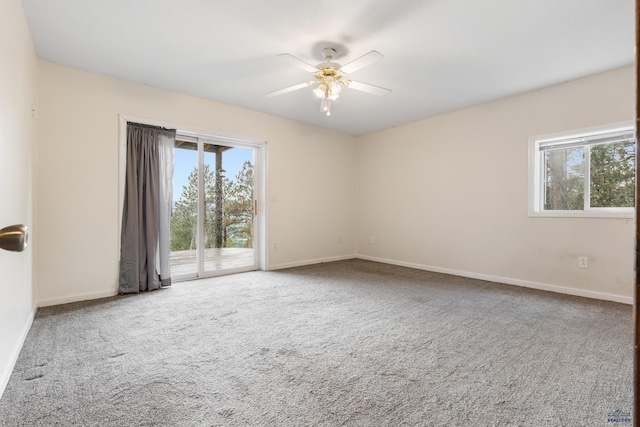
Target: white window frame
(536, 191)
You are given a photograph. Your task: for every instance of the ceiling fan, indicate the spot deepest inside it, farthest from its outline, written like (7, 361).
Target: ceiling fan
(330, 77)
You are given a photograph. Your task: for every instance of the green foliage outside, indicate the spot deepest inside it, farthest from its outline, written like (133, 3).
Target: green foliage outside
(237, 211)
(564, 179)
(612, 176)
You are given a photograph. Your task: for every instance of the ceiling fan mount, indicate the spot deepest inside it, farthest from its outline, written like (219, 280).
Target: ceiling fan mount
(330, 77)
(331, 54)
(328, 53)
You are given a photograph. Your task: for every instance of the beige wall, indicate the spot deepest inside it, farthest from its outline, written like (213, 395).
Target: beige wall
(310, 178)
(18, 95)
(449, 193)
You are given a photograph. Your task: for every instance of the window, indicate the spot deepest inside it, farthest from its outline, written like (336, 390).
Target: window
(583, 173)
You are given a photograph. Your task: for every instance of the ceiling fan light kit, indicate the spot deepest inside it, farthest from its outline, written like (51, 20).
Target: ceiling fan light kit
(330, 77)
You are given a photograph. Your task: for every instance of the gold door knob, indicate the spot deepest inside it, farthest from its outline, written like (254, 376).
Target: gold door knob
(14, 238)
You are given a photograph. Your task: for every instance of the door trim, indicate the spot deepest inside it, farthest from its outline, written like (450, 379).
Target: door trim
(260, 147)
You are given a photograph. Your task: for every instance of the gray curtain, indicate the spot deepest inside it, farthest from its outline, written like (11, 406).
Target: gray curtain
(140, 268)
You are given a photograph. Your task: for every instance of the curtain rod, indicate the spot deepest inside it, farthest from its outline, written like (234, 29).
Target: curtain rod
(142, 125)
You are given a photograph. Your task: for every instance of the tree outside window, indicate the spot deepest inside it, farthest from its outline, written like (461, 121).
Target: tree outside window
(237, 211)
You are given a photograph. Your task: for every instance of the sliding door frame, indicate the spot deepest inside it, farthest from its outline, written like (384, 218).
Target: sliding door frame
(259, 148)
(200, 140)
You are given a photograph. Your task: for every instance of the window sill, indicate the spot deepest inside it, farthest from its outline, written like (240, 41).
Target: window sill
(613, 214)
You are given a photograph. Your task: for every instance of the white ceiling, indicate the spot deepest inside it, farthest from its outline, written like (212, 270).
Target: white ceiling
(440, 55)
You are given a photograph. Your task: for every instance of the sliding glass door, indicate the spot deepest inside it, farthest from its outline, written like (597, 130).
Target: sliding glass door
(213, 226)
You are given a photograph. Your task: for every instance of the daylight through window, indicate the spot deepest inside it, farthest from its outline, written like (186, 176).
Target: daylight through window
(585, 172)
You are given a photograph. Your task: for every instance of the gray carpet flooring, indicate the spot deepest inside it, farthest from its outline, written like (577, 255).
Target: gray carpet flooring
(349, 343)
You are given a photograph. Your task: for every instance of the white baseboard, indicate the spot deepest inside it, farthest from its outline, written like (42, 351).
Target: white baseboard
(490, 278)
(8, 369)
(76, 298)
(311, 262)
(507, 280)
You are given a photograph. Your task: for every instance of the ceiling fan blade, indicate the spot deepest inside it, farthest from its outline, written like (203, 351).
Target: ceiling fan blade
(364, 87)
(289, 89)
(298, 62)
(364, 61)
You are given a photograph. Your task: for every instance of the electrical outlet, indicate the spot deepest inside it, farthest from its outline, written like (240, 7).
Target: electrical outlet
(274, 246)
(583, 262)
(371, 239)
(339, 241)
